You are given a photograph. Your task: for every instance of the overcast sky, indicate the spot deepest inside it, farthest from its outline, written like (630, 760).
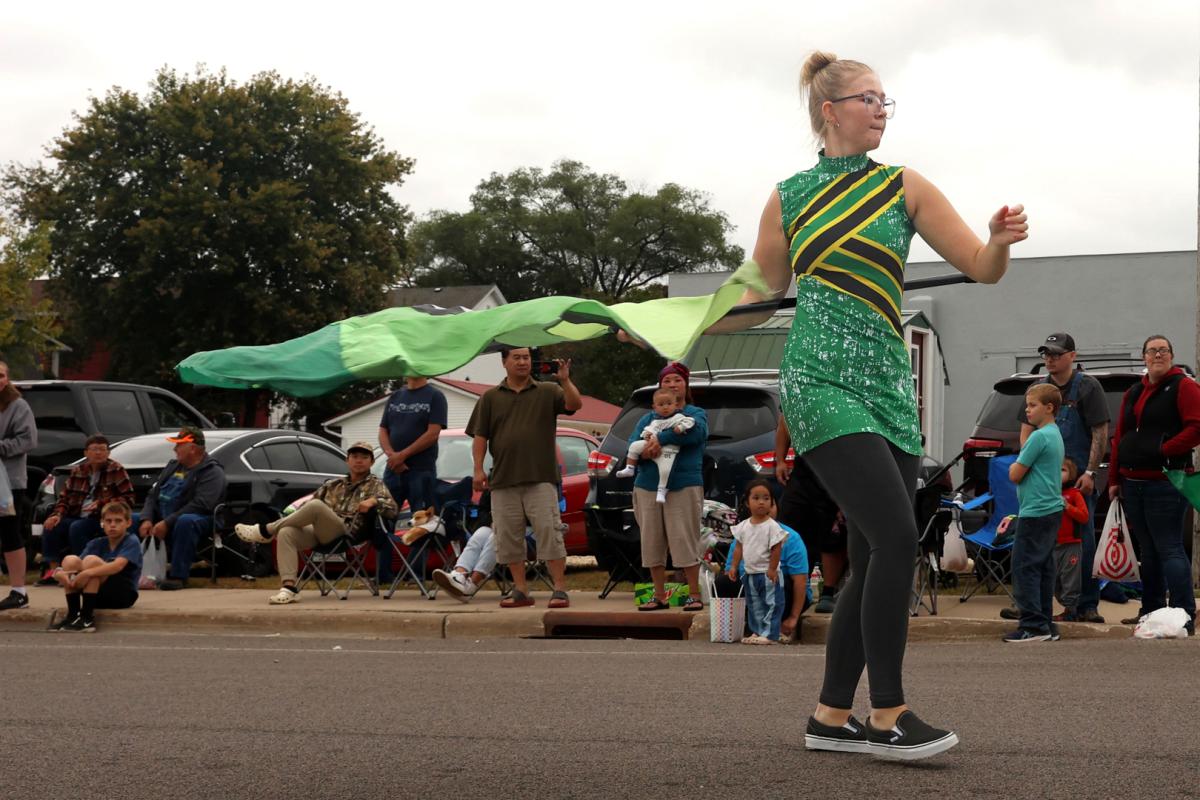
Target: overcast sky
(1087, 112)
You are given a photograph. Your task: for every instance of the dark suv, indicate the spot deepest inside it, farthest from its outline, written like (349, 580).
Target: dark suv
(67, 412)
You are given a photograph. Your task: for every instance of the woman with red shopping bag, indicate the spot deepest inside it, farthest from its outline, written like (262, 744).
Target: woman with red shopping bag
(1157, 428)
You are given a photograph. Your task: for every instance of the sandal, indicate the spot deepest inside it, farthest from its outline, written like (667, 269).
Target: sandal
(693, 604)
(559, 600)
(516, 600)
(653, 604)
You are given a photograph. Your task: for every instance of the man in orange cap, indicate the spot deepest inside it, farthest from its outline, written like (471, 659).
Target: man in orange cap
(179, 507)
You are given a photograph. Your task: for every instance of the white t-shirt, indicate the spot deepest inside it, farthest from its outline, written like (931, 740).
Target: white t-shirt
(757, 541)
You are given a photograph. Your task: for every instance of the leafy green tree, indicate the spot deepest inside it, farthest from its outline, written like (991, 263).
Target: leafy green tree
(211, 213)
(27, 324)
(570, 231)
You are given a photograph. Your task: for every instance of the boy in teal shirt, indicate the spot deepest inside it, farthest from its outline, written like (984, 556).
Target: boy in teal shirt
(1037, 472)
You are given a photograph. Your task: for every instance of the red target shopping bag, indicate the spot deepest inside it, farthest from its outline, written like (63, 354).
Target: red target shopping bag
(1115, 560)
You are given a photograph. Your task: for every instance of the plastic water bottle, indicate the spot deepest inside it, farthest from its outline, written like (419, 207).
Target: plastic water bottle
(816, 580)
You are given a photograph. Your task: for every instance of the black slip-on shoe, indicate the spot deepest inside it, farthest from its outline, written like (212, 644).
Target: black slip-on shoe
(909, 740)
(848, 738)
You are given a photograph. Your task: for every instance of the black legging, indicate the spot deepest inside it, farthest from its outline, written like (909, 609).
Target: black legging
(873, 482)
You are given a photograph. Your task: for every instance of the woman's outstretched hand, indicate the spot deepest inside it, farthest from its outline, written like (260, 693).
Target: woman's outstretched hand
(1009, 225)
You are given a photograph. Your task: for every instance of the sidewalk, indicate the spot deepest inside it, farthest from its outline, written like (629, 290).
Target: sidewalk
(409, 616)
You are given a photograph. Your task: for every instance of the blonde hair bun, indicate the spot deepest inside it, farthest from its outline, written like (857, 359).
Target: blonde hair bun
(817, 61)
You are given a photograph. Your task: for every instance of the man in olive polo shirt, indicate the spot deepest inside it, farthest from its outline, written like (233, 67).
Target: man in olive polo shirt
(516, 420)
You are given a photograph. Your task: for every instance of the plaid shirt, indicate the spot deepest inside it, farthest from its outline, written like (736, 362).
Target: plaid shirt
(343, 497)
(113, 485)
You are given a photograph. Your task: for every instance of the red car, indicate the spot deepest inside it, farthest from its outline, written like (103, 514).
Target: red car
(454, 462)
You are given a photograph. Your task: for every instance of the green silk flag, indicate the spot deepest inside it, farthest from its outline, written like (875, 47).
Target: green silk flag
(396, 342)
(1188, 485)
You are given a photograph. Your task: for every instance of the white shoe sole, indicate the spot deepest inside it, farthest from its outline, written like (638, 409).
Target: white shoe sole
(891, 752)
(814, 742)
(250, 533)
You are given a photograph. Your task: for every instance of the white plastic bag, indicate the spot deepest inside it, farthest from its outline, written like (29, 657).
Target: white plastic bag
(954, 550)
(1115, 560)
(1165, 623)
(727, 618)
(7, 507)
(154, 562)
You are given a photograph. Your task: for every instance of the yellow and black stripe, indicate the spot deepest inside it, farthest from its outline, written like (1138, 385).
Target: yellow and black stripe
(826, 244)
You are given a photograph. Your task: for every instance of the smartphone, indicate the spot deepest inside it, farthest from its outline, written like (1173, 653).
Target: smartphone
(544, 368)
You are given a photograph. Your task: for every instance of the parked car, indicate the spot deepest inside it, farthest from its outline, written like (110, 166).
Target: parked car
(67, 412)
(997, 430)
(455, 462)
(265, 468)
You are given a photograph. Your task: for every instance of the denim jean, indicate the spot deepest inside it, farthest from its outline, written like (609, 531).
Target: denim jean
(1033, 570)
(419, 489)
(764, 604)
(69, 537)
(479, 554)
(1089, 587)
(1155, 511)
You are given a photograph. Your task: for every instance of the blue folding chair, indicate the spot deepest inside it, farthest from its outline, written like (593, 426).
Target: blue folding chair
(993, 560)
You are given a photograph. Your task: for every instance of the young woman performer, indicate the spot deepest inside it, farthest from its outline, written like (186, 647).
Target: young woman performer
(843, 228)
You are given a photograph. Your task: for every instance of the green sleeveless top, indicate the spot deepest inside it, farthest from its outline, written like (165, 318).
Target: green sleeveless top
(846, 368)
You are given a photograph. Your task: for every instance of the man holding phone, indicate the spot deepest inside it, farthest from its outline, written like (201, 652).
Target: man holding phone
(516, 420)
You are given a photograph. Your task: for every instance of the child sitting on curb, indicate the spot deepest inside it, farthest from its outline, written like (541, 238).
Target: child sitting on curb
(104, 575)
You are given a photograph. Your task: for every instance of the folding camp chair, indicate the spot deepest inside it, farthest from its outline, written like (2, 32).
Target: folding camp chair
(993, 561)
(967, 515)
(346, 554)
(620, 552)
(444, 541)
(251, 560)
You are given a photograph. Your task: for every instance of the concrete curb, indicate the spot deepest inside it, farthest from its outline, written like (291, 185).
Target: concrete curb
(478, 622)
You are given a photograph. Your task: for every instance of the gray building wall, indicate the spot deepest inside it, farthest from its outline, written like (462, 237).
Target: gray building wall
(1109, 303)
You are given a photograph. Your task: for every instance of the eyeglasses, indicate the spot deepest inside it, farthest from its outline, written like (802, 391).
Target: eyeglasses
(1157, 351)
(873, 102)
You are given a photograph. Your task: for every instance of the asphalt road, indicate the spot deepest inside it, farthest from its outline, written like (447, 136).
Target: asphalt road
(182, 716)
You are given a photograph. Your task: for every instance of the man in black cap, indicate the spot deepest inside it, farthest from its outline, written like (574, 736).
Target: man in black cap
(1083, 423)
(179, 507)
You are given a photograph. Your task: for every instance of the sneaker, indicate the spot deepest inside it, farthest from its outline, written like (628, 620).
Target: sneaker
(15, 599)
(825, 604)
(81, 625)
(47, 579)
(172, 584)
(910, 739)
(1068, 615)
(848, 738)
(283, 597)
(464, 582)
(64, 624)
(1055, 634)
(446, 581)
(256, 533)
(1022, 635)
(1010, 613)
(1091, 615)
